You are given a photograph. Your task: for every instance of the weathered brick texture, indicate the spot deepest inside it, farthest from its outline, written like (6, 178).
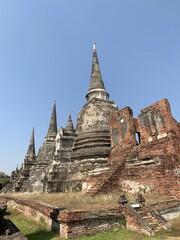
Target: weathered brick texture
(153, 160)
(156, 122)
(70, 224)
(122, 128)
(67, 223)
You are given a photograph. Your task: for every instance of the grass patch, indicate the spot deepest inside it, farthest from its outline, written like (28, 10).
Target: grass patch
(31, 229)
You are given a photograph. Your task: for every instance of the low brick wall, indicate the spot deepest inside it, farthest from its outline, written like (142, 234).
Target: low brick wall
(70, 224)
(162, 205)
(169, 209)
(39, 211)
(78, 223)
(66, 223)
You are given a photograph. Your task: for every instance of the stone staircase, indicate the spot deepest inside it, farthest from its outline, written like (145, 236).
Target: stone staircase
(28, 185)
(7, 188)
(154, 223)
(149, 219)
(104, 180)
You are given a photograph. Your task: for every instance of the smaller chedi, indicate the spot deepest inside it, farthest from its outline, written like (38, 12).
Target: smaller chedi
(108, 149)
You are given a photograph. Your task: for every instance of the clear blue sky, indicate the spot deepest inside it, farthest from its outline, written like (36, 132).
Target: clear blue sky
(46, 54)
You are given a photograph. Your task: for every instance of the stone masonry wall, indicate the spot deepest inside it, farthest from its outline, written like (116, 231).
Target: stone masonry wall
(66, 223)
(38, 211)
(157, 178)
(169, 209)
(69, 224)
(164, 205)
(154, 161)
(79, 223)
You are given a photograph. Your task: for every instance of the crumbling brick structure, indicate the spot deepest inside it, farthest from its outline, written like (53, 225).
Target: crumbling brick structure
(150, 146)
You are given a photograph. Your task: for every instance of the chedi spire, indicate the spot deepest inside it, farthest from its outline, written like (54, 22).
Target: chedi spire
(69, 126)
(52, 131)
(31, 148)
(96, 88)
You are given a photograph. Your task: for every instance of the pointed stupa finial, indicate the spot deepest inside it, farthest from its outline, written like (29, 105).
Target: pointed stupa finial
(96, 88)
(31, 148)
(52, 131)
(70, 126)
(94, 45)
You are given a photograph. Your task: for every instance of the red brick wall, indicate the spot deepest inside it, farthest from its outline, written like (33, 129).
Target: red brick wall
(157, 157)
(67, 223)
(122, 128)
(156, 121)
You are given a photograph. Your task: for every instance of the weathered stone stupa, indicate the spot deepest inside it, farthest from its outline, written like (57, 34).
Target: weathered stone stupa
(19, 177)
(46, 152)
(93, 129)
(67, 155)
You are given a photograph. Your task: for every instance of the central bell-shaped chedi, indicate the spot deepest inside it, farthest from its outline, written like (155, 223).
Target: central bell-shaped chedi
(92, 130)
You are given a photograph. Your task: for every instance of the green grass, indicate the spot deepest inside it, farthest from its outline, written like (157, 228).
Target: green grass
(38, 231)
(31, 229)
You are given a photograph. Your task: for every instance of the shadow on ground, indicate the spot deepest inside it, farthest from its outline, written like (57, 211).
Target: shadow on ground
(7, 213)
(41, 235)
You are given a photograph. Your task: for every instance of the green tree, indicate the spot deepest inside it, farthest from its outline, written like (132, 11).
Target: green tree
(3, 179)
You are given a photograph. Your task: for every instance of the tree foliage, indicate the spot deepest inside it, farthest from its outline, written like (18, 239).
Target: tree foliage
(3, 179)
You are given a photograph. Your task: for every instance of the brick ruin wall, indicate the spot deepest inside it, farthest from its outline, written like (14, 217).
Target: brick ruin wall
(150, 147)
(69, 223)
(169, 209)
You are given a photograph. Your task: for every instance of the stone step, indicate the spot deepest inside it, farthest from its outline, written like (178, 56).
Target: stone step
(153, 222)
(142, 213)
(154, 225)
(147, 217)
